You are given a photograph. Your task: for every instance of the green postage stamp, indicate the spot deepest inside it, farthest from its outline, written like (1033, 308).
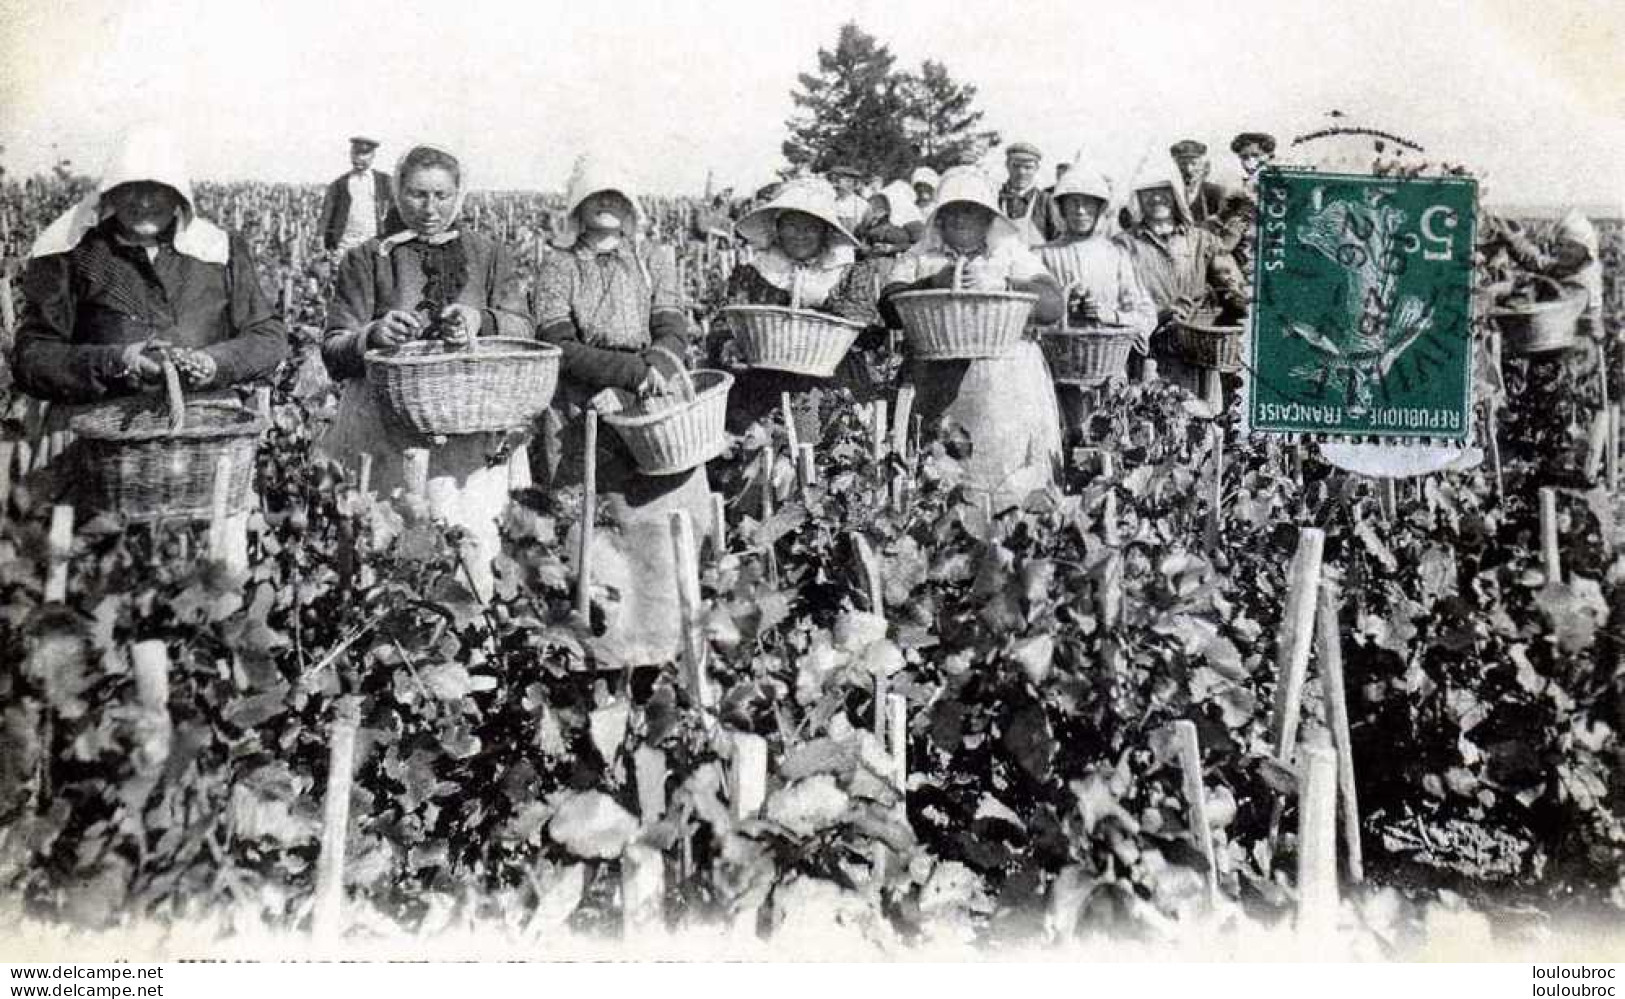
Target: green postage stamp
(1361, 313)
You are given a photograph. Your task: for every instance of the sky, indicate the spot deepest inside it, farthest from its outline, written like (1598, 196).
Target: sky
(1531, 96)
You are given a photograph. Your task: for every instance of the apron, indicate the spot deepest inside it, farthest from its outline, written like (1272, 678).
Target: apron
(1029, 231)
(633, 562)
(1007, 405)
(468, 474)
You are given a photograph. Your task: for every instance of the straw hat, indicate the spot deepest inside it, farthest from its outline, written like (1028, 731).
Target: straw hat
(592, 176)
(1080, 180)
(969, 184)
(810, 196)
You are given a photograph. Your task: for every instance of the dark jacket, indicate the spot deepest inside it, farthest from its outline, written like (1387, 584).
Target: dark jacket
(336, 207)
(82, 308)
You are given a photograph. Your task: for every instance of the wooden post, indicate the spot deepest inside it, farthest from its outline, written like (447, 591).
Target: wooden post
(326, 919)
(60, 546)
(1317, 843)
(1550, 558)
(767, 511)
(1215, 513)
(900, 421)
(223, 545)
(749, 754)
(880, 428)
(262, 401)
(688, 598)
(364, 483)
(792, 433)
(1491, 438)
(872, 580)
(719, 525)
(415, 461)
(1329, 652)
(643, 888)
(8, 308)
(649, 766)
(149, 664)
(1297, 636)
(1611, 456)
(897, 738)
(808, 469)
(1109, 594)
(1108, 511)
(1190, 766)
(8, 454)
(1148, 373)
(589, 516)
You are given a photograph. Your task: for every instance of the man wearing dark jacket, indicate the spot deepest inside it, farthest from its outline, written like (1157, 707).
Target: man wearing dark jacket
(357, 205)
(1029, 206)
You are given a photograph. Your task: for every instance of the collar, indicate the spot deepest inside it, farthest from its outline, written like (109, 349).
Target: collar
(388, 243)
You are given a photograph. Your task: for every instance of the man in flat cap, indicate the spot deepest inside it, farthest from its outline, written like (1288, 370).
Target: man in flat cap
(357, 205)
(1029, 206)
(1205, 198)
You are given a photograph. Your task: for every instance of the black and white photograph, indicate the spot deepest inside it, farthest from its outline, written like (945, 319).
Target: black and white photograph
(759, 482)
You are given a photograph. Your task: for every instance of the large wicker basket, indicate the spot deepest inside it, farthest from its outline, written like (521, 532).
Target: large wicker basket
(1085, 356)
(960, 325)
(1541, 327)
(1208, 346)
(795, 340)
(495, 383)
(681, 432)
(147, 461)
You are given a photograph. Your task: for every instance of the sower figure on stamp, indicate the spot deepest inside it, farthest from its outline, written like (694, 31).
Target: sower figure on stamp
(804, 255)
(1182, 266)
(128, 276)
(1099, 274)
(1005, 404)
(430, 280)
(609, 299)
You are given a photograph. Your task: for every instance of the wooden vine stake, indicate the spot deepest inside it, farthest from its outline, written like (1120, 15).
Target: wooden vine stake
(519, 468)
(1317, 843)
(900, 420)
(1190, 767)
(749, 753)
(228, 533)
(879, 428)
(364, 480)
(8, 308)
(1297, 637)
(792, 433)
(808, 468)
(327, 917)
(1329, 652)
(60, 547)
(8, 454)
(1551, 560)
(1611, 456)
(688, 599)
(589, 517)
(149, 665)
(719, 525)
(767, 510)
(643, 869)
(415, 469)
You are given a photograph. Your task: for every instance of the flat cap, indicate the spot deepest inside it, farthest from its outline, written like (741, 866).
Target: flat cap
(363, 143)
(845, 170)
(1186, 148)
(1262, 140)
(1022, 149)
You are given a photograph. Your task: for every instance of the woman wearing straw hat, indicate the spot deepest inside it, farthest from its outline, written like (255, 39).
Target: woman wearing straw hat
(1099, 275)
(610, 300)
(1006, 404)
(132, 274)
(803, 255)
(432, 279)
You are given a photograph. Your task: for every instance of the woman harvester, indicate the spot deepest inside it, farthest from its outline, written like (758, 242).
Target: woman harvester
(609, 299)
(128, 276)
(1006, 404)
(802, 254)
(430, 280)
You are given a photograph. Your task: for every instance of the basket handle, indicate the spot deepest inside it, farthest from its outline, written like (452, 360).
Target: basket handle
(1550, 282)
(687, 380)
(795, 287)
(959, 274)
(177, 401)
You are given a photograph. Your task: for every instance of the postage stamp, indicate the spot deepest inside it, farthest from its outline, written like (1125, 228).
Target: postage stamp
(1361, 315)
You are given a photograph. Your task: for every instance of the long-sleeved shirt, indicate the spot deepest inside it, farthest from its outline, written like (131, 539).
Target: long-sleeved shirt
(370, 284)
(605, 309)
(1179, 268)
(82, 308)
(1102, 270)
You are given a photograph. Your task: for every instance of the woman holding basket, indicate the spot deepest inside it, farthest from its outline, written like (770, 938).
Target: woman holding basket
(804, 259)
(609, 299)
(1006, 404)
(132, 276)
(429, 281)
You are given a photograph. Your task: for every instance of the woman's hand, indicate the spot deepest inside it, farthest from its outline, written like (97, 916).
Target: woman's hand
(984, 275)
(394, 328)
(196, 368)
(459, 323)
(142, 363)
(1084, 307)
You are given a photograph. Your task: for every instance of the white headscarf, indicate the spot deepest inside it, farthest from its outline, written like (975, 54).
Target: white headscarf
(592, 175)
(1093, 184)
(406, 235)
(146, 153)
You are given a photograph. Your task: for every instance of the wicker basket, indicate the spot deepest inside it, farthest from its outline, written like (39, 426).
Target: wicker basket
(1209, 346)
(147, 461)
(1085, 356)
(795, 340)
(682, 434)
(959, 325)
(1541, 327)
(496, 383)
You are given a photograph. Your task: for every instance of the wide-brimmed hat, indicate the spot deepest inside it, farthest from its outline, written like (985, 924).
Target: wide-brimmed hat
(809, 196)
(592, 175)
(969, 184)
(1080, 180)
(925, 175)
